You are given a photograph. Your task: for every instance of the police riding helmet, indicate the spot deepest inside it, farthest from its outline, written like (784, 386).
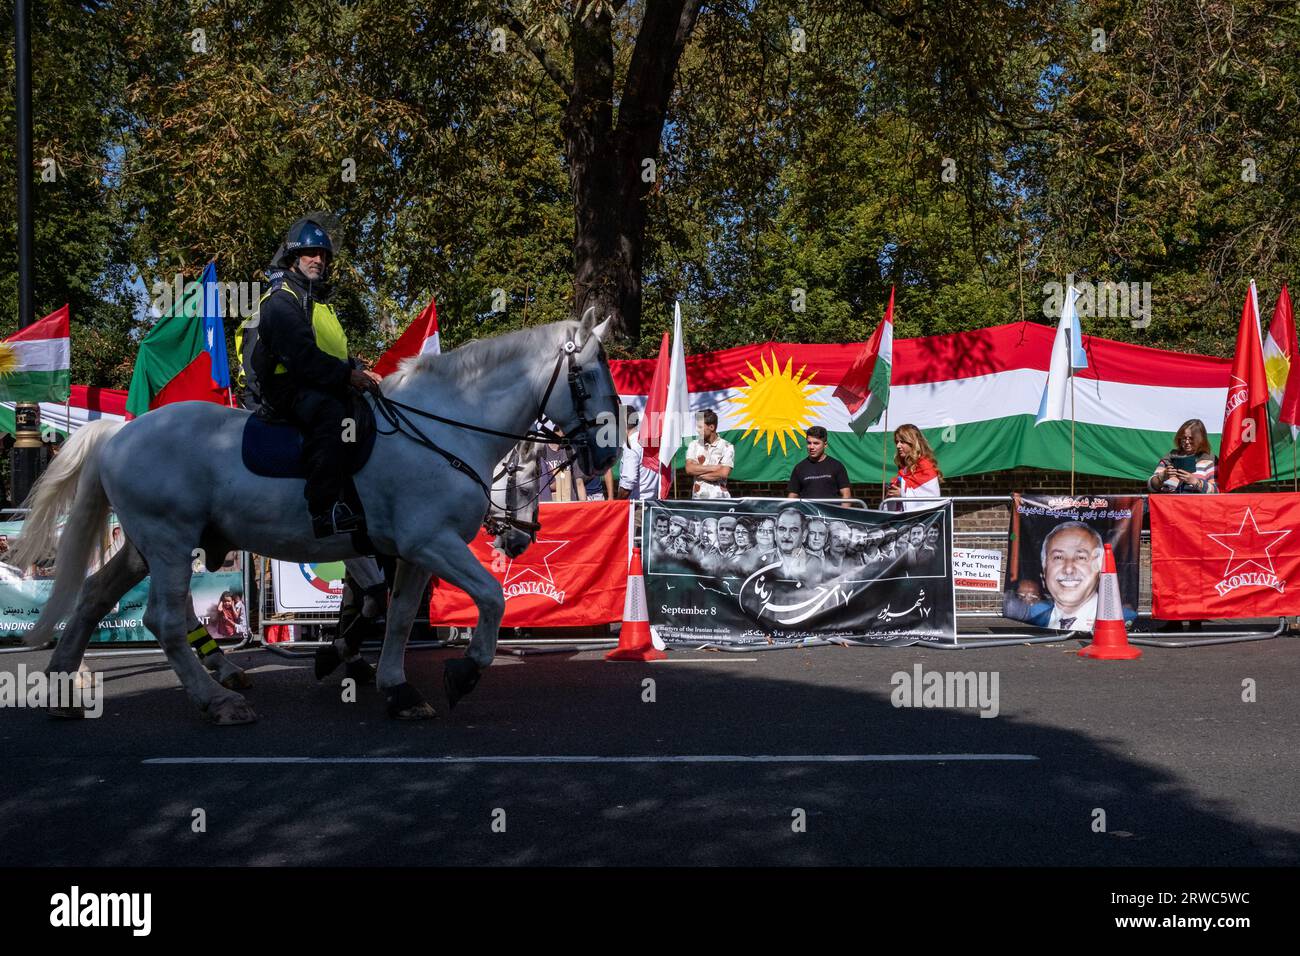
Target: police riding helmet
(305, 236)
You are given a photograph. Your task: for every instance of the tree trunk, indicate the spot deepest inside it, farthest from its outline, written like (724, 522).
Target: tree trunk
(607, 169)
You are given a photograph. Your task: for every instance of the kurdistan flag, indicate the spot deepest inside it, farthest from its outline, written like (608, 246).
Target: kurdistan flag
(85, 405)
(974, 394)
(34, 361)
(1279, 353)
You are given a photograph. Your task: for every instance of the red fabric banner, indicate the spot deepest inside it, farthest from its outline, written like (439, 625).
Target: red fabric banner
(574, 575)
(1225, 555)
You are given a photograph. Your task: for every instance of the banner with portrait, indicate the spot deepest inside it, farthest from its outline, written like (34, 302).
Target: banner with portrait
(1055, 560)
(217, 596)
(786, 571)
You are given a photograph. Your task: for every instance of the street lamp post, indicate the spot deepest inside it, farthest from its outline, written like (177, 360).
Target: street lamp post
(25, 457)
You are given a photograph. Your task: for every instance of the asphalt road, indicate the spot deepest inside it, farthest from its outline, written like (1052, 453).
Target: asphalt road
(1184, 770)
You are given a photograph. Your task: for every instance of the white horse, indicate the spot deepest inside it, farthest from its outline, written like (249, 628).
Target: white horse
(512, 516)
(423, 491)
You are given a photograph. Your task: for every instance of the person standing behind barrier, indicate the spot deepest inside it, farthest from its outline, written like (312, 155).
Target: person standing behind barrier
(1190, 442)
(600, 487)
(636, 481)
(818, 475)
(918, 471)
(560, 479)
(709, 460)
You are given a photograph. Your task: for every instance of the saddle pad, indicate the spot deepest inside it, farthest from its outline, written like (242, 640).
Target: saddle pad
(273, 449)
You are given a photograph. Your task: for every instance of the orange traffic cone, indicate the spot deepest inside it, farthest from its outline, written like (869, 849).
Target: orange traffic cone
(635, 643)
(1109, 638)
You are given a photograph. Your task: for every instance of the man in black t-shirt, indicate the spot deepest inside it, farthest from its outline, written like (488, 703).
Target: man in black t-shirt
(818, 475)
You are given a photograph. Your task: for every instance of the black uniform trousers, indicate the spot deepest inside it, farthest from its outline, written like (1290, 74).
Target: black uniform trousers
(321, 416)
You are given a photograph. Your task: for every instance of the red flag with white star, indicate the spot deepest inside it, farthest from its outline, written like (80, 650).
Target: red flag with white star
(573, 575)
(1225, 556)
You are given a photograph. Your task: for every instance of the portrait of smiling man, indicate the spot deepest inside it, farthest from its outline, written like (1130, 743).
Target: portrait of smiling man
(1072, 556)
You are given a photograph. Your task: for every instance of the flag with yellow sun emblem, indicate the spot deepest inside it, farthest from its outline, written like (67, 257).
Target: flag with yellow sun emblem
(34, 362)
(975, 396)
(1279, 353)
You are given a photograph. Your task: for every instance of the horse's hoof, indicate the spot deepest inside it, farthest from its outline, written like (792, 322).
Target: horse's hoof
(459, 676)
(360, 671)
(231, 710)
(327, 659)
(405, 703)
(237, 680)
(67, 713)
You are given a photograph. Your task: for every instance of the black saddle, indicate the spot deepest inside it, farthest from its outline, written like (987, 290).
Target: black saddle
(272, 447)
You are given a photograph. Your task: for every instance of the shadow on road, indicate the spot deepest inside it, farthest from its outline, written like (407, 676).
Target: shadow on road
(78, 793)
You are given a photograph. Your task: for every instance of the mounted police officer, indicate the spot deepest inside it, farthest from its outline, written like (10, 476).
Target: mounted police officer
(301, 370)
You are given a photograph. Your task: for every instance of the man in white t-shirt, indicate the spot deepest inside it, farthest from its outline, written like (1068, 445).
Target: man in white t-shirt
(709, 459)
(636, 481)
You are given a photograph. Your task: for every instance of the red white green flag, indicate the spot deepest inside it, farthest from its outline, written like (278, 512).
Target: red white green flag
(975, 396)
(420, 337)
(1280, 362)
(34, 361)
(864, 390)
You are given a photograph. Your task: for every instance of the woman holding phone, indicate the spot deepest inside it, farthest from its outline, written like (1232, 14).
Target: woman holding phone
(1190, 468)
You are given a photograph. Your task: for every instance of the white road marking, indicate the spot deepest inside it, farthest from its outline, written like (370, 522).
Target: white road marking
(704, 660)
(587, 758)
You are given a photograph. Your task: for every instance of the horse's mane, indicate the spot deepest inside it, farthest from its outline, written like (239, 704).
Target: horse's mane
(475, 357)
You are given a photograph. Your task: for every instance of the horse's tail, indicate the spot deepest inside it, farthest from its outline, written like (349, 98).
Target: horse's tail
(70, 486)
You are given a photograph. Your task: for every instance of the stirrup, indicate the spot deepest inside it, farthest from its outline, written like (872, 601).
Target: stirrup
(345, 520)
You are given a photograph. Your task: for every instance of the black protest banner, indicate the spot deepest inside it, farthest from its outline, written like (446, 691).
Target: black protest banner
(1054, 566)
(746, 572)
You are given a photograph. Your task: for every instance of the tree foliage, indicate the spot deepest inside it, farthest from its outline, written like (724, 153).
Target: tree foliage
(805, 151)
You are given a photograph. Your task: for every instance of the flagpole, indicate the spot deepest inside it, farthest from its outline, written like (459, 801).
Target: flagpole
(884, 454)
(1072, 433)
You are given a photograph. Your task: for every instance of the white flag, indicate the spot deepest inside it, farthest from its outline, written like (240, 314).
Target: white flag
(677, 409)
(1067, 355)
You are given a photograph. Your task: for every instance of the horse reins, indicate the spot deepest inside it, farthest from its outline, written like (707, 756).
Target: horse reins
(395, 414)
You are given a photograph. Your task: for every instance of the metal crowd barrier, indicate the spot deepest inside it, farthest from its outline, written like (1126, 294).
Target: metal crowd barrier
(987, 605)
(971, 605)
